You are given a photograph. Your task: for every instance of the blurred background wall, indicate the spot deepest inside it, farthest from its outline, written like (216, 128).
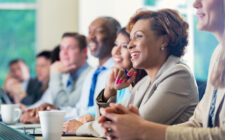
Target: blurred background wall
(54, 17)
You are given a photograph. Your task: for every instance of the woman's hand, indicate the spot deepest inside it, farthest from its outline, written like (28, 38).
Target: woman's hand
(61, 68)
(28, 116)
(86, 118)
(121, 122)
(117, 80)
(44, 106)
(71, 126)
(124, 123)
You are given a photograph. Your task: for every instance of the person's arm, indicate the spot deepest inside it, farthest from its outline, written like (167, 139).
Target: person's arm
(88, 115)
(192, 133)
(118, 79)
(93, 128)
(72, 112)
(46, 98)
(26, 99)
(196, 119)
(152, 131)
(29, 116)
(200, 112)
(56, 83)
(86, 118)
(101, 102)
(72, 125)
(125, 123)
(128, 125)
(19, 94)
(192, 129)
(146, 130)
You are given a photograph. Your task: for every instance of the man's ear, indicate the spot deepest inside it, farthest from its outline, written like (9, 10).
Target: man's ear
(85, 51)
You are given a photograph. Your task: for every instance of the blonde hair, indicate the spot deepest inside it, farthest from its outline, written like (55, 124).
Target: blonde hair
(217, 78)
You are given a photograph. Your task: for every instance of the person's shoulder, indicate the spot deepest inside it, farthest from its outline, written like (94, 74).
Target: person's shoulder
(177, 70)
(179, 66)
(215, 54)
(217, 50)
(33, 81)
(88, 69)
(86, 73)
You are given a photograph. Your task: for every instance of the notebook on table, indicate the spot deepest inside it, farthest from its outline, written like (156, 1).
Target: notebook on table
(32, 129)
(9, 133)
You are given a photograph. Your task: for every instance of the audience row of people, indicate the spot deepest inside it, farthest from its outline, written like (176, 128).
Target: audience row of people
(73, 84)
(139, 67)
(158, 52)
(21, 87)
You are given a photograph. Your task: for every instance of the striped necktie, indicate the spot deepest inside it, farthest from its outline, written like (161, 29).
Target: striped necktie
(212, 110)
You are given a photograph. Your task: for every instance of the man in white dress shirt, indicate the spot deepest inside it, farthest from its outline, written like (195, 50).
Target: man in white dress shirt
(67, 76)
(102, 34)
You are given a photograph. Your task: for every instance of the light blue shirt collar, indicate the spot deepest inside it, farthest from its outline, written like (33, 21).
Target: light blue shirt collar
(79, 71)
(109, 64)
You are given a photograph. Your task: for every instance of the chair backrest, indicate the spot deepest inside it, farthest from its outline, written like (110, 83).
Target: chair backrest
(4, 97)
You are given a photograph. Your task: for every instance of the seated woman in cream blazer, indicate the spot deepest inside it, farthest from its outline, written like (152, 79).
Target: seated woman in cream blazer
(168, 94)
(208, 121)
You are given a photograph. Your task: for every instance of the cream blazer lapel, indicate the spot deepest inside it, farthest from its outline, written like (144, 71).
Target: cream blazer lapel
(206, 106)
(141, 89)
(160, 75)
(219, 102)
(146, 85)
(207, 98)
(219, 99)
(210, 90)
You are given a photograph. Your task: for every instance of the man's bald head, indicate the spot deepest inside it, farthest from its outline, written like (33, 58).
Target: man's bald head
(102, 34)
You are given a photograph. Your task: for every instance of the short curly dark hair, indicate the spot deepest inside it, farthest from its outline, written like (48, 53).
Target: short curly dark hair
(165, 22)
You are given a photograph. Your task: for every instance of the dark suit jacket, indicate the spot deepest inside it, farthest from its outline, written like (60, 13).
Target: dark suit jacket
(34, 92)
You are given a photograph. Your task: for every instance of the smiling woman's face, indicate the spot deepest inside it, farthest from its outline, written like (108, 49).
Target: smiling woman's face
(145, 46)
(120, 52)
(210, 15)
